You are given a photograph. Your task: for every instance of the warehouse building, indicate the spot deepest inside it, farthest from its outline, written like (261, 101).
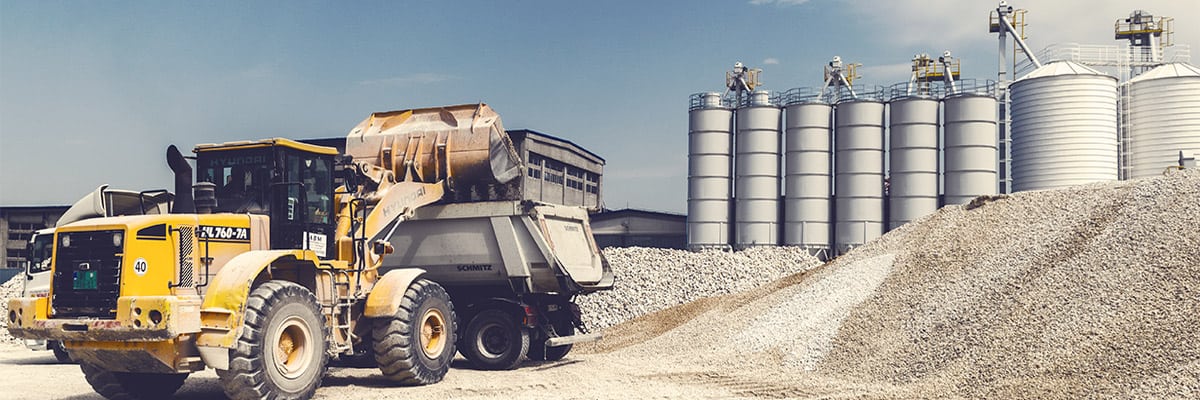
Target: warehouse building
(17, 224)
(630, 227)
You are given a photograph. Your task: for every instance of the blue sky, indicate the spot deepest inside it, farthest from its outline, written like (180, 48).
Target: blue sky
(93, 92)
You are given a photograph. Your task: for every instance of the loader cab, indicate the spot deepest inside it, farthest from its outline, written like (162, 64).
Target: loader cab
(289, 181)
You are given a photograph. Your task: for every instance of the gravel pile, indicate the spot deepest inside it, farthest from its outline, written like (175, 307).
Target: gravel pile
(1085, 292)
(652, 279)
(9, 290)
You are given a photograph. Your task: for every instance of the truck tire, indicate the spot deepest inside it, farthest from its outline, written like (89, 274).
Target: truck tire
(539, 352)
(415, 346)
(60, 351)
(281, 352)
(495, 341)
(131, 385)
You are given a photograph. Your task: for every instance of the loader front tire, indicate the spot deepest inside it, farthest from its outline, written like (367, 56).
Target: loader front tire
(282, 351)
(131, 385)
(416, 344)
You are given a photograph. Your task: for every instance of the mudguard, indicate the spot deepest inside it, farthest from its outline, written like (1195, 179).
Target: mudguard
(387, 294)
(225, 301)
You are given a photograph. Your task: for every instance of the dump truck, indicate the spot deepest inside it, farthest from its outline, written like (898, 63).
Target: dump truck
(102, 202)
(284, 255)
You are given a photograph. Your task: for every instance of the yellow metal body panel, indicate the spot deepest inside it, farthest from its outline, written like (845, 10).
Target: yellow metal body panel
(221, 312)
(163, 357)
(385, 298)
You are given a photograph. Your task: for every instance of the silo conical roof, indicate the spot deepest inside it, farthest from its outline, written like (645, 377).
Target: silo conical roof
(1172, 70)
(1058, 68)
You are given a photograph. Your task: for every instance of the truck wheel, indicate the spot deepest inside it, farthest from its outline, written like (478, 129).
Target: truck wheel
(131, 385)
(60, 351)
(415, 346)
(281, 350)
(538, 351)
(494, 341)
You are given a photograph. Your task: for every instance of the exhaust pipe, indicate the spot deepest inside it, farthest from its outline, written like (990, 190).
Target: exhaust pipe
(184, 204)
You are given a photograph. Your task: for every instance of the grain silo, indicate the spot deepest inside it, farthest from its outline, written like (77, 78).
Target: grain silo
(1064, 127)
(756, 171)
(969, 143)
(913, 155)
(1162, 117)
(858, 173)
(807, 176)
(710, 154)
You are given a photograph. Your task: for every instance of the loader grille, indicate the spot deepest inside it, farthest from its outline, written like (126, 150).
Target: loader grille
(186, 239)
(87, 275)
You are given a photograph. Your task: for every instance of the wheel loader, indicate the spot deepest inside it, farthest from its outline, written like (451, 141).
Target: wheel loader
(280, 256)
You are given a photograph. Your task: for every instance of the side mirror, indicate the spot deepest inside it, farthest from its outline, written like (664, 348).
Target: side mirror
(382, 247)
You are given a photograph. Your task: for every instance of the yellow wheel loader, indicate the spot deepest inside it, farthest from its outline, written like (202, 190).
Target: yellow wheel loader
(282, 256)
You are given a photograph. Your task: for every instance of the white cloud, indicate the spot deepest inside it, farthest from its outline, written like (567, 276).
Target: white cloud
(778, 2)
(420, 78)
(771, 61)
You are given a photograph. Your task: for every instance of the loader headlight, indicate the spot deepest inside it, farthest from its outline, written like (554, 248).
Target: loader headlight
(66, 240)
(117, 237)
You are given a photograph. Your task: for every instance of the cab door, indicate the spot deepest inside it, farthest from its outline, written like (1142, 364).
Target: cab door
(302, 211)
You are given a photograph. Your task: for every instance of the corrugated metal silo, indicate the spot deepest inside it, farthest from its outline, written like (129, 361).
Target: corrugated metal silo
(756, 171)
(858, 173)
(913, 172)
(970, 143)
(710, 154)
(1163, 117)
(807, 177)
(1064, 129)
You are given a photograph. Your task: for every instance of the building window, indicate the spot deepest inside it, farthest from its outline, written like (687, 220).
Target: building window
(19, 236)
(593, 189)
(535, 159)
(553, 177)
(24, 227)
(592, 178)
(535, 173)
(16, 264)
(19, 254)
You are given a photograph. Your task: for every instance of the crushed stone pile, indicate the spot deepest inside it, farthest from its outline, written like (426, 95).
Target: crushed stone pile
(1084, 292)
(652, 279)
(9, 290)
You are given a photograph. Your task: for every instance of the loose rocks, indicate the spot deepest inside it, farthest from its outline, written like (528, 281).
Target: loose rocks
(9, 290)
(651, 279)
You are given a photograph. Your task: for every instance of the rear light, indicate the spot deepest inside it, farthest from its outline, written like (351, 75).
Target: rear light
(530, 318)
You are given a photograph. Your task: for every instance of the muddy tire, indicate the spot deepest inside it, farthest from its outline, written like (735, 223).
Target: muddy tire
(539, 352)
(495, 341)
(60, 351)
(131, 385)
(415, 346)
(281, 353)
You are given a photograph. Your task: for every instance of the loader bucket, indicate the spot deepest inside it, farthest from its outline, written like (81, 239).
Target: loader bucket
(464, 143)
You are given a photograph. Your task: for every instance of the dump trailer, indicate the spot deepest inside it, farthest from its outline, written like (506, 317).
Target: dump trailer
(279, 256)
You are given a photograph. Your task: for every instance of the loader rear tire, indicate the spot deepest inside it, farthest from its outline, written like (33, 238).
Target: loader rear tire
(282, 350)
(131, 385)
(415, 345)
(494, 340)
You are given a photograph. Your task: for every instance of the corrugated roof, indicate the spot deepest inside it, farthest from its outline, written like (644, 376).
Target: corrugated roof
(1172, 70)
(1058, 68)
